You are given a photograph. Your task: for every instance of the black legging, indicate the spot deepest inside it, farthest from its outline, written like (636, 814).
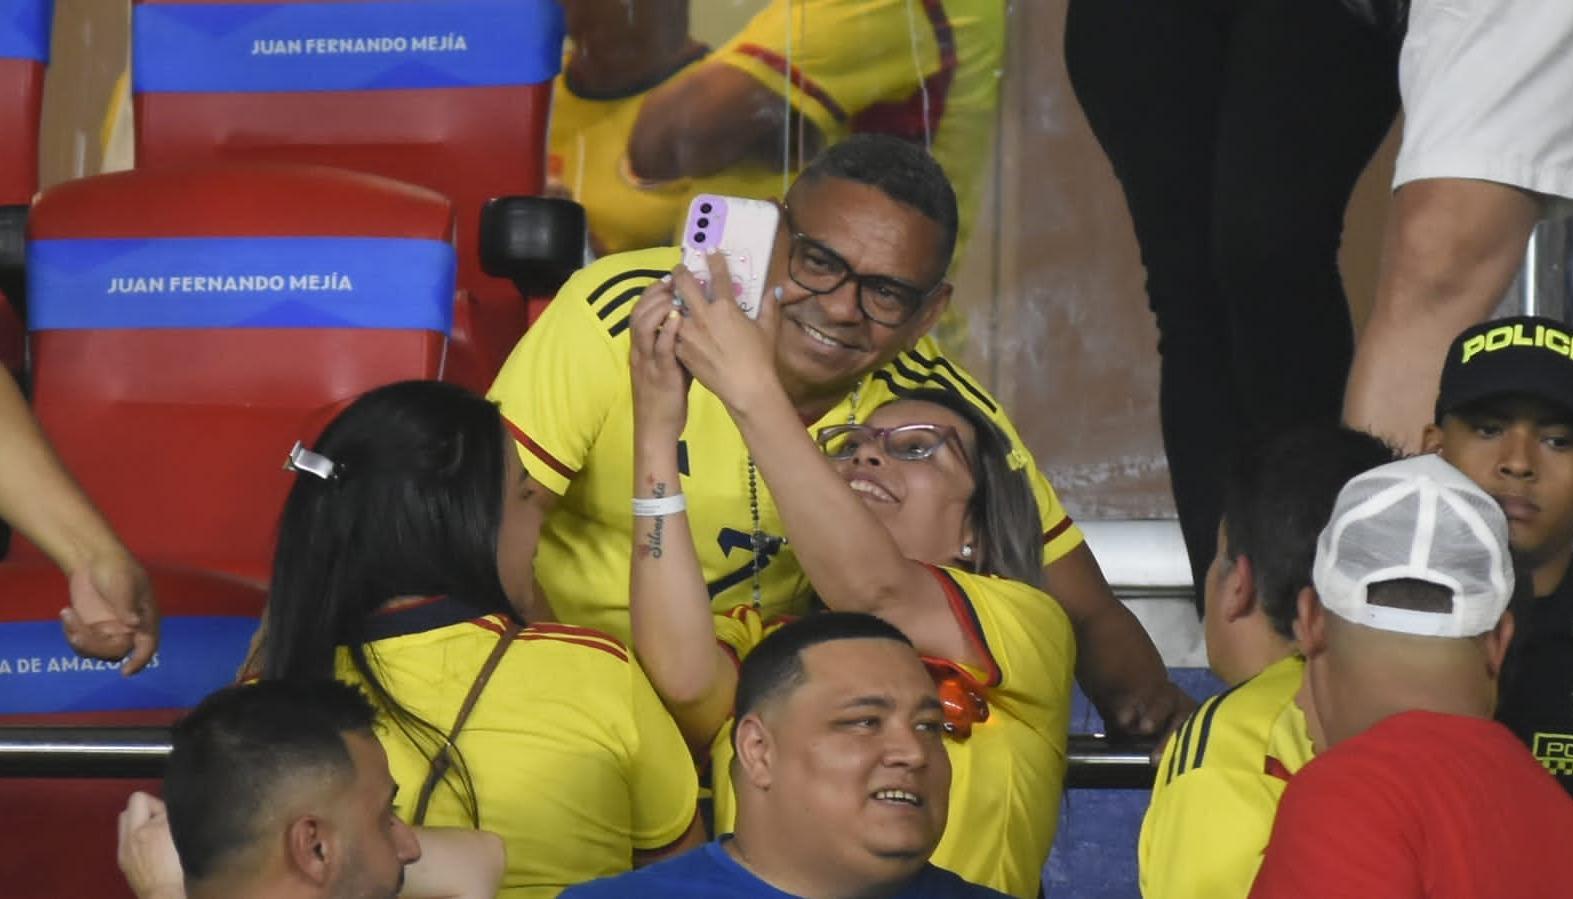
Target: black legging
(1238, 129)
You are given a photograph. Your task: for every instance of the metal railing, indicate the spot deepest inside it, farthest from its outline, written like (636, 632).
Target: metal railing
(139, 752)
(1544, 283)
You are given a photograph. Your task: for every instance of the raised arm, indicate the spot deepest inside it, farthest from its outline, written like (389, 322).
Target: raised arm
(112, 611)
(145, 850)
(849, 556)
(669, 607)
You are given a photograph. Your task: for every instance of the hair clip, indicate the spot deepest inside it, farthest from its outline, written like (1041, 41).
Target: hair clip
(1016, 459)
(302, 459)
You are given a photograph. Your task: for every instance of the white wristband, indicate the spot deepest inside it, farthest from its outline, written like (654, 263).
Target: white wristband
(661, 505)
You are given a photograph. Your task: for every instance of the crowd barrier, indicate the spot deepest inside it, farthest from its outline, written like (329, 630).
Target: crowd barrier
(1096, 762)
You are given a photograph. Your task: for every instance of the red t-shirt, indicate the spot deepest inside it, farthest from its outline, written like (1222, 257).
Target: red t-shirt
(1423, 805)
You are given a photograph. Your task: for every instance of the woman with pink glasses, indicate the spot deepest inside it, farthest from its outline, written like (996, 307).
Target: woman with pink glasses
(920, 515)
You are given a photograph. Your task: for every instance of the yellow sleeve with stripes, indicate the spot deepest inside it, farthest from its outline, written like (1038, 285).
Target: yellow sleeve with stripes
(1218, 787)
(570, 369)
(842, 55)
(1204, 834)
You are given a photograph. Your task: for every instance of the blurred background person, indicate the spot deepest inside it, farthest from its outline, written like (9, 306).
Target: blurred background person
(644, 116)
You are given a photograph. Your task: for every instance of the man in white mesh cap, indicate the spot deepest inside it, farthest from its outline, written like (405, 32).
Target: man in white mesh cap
(1415, 791)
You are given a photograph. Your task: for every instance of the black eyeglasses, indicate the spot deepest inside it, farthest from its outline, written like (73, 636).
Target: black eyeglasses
(909, 443)
(819, 270)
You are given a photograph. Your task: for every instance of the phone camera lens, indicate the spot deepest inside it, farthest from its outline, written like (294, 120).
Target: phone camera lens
(700, 237)
(705, 208)
(704, 223)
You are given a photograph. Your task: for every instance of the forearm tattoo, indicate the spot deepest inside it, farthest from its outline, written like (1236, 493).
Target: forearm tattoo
(658, 490)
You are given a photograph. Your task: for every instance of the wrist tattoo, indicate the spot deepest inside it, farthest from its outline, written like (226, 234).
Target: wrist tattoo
(658, 490)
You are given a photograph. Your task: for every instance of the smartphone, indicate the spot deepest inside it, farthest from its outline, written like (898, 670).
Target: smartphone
(744, 230)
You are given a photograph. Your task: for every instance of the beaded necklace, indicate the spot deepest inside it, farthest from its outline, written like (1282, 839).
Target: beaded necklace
(761, 543)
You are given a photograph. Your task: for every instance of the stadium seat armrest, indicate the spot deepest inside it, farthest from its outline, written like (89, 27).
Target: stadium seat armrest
(13, 242)
(13, 255)
(535, 242)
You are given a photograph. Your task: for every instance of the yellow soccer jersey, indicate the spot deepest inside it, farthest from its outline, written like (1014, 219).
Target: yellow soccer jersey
(1007, 777)
(919, 70)
(575, 761)
(855, 66)
(588, 148)
(566, 394)
(1218, 788)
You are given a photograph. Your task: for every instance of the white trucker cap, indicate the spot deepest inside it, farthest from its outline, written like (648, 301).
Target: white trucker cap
(1420, 519)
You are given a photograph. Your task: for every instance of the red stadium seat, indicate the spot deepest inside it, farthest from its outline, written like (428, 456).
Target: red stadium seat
(189, 325)
(24, 50)
(448, 94)
(62, 842)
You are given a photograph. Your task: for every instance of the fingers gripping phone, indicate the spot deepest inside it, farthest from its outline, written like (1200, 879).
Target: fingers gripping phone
(744, 230)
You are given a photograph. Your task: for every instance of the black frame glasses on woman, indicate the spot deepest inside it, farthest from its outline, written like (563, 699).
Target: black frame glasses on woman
(820, 270)
(908, 443)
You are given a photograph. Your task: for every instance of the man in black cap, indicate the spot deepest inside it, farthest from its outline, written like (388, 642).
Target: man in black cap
(1504, 416)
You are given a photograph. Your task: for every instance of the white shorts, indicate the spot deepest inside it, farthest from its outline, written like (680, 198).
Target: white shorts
(1487, 87)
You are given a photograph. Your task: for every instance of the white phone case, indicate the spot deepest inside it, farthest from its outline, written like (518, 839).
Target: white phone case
(744, 230)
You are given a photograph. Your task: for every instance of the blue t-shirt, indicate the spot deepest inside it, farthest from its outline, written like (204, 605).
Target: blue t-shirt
(710, 871)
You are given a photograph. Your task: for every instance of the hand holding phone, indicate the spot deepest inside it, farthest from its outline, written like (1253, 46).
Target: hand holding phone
(742, 229)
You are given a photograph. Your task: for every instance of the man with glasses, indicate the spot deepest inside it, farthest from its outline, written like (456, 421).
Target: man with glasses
(820, 270)
(859, 272)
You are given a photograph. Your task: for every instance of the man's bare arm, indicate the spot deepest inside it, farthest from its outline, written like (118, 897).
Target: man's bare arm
(710, 119)
(455, 863)
(541, 501)
(1117, 664)
(112, 611)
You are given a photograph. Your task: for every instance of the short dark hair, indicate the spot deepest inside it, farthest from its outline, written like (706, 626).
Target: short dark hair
(241, 749)
(775, 667)
(1411, 595)
(1279, 497)
(899, 169)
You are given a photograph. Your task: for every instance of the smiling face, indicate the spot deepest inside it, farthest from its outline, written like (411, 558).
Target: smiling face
(923, 502)
(1520, 450)
(856, 771)
(826, 342)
